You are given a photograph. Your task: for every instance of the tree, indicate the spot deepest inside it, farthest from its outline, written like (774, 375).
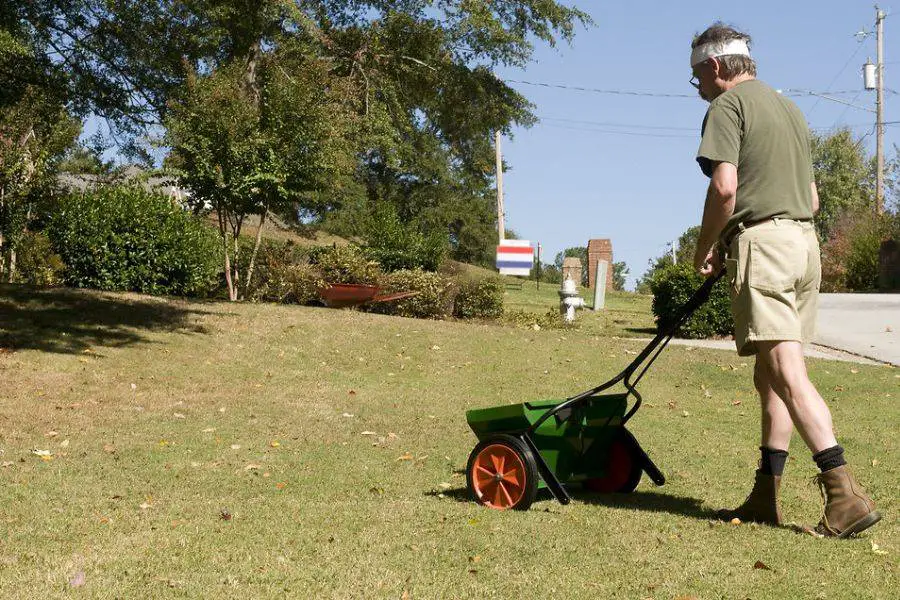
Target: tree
(35, 130)
(844, 178)
(620, 272)
(253, 143)
(686, 248)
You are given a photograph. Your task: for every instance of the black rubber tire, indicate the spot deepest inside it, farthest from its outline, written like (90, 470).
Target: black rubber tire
(530, 486)
(622, 448)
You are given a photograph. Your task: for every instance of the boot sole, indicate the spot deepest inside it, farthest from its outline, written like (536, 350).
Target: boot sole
(861, 525)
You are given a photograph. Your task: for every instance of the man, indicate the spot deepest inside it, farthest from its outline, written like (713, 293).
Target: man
(759, 208)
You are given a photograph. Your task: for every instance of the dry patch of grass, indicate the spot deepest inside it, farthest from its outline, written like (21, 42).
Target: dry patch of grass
(208, 449)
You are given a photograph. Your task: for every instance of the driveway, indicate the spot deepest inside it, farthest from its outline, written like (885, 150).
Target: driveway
(864, 324)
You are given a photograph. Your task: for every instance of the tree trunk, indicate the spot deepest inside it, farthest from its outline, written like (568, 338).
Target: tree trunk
(232, 290)
(262, 221)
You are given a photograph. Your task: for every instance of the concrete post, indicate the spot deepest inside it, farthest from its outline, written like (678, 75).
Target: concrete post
(600, 285)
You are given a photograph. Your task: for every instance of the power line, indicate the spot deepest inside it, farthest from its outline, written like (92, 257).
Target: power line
(859, 45)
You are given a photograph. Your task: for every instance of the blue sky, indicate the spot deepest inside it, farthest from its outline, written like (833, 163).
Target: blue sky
(572, 177)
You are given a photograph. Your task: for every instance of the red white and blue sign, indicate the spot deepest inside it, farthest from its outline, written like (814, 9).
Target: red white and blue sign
(515, 257)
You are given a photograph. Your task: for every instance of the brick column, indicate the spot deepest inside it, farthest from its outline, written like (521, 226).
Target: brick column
(600, 249)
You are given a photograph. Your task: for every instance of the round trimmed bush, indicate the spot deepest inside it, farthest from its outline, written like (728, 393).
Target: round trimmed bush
(673, 285)
(126, 238)
(433, 301)
(479, 299)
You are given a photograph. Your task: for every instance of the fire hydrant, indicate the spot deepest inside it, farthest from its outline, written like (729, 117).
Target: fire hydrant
(569, 300)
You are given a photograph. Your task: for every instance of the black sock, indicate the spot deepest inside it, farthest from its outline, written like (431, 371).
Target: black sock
(829, 458)
(772, 461)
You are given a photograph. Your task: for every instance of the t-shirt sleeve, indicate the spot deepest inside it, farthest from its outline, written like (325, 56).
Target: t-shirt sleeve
(721, 141)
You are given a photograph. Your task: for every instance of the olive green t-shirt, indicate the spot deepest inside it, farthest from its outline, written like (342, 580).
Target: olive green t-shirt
(766, 137)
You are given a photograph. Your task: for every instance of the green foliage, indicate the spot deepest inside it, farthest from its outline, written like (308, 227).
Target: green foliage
(684, 254)
(850, 260)
(479, 299)
(397, 245)
(36, 262)
(283, 274)
(346, 264)
(620, 272)
(673, 285)
(434, 299)
(124, 238)
(844, 178)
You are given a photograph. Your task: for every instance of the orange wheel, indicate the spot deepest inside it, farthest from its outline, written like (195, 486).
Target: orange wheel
(502, 474)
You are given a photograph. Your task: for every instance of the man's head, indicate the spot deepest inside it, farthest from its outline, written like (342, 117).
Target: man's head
(720, 59)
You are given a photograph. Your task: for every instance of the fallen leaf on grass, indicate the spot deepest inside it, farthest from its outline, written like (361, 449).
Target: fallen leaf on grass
(854, 371)
(7, 463)
(352, 392)
(252, 467)
(77, 580)
(874, 462)
(109, 448)
(735, 521)
(235, 446)
(405, 456)
(761, 565)
(348, 415)
(274, 443)
(145, 505)
(51, 434)
(435, 347)
(475, 559)
(64, 444)
(280, 485)
(224, 514)
(736, 403)
(685, 413)
(672, 405)
(376, 491)
(209, 430)
(367, 433)
(876, 549)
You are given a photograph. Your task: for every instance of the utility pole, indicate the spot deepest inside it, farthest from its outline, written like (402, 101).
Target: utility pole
(501, 226)
(879, 123)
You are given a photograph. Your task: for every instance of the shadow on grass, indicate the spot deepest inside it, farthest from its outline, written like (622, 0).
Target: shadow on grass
(643, 330)
(643, 501)
(68, 320)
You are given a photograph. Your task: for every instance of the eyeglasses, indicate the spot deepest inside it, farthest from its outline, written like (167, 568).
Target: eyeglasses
(694, 82)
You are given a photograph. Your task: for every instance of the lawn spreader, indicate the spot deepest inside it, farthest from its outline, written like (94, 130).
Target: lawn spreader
(550, 444)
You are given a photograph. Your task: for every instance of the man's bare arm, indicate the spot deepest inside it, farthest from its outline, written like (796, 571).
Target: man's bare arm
(815, 197)
(718, 209)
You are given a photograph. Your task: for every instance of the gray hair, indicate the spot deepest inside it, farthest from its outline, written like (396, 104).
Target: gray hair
(732, 64)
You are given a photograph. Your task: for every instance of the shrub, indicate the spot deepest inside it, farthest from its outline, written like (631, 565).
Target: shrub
(36, 263)
(345, 264)
(125, 238)
(283, 274)
(673, 285)
(433, 301)
(850, 256)
(397, 245)
(479, 299)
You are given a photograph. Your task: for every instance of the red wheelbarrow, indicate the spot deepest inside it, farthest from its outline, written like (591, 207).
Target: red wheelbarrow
(345, 295)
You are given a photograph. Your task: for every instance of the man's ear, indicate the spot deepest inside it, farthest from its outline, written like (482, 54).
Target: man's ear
(716, 67)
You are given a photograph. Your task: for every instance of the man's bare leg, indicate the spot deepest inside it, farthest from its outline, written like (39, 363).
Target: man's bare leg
(848, 510)
(786, 375)
(776, 422)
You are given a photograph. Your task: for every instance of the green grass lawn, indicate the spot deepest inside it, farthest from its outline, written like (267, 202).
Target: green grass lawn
(201, 450)
(626, 314)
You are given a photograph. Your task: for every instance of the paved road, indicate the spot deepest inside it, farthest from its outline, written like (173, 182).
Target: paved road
(863, 324)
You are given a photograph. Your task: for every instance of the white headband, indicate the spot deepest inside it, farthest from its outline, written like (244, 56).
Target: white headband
(714, 49)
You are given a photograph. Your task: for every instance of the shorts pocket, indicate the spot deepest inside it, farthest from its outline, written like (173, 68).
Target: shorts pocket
(775, 264)
(733, 275)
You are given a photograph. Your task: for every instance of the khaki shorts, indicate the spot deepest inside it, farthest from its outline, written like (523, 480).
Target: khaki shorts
(774, 271)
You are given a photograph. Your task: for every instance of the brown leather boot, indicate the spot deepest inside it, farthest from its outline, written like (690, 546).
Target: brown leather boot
(761, 506)
(848, 509)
